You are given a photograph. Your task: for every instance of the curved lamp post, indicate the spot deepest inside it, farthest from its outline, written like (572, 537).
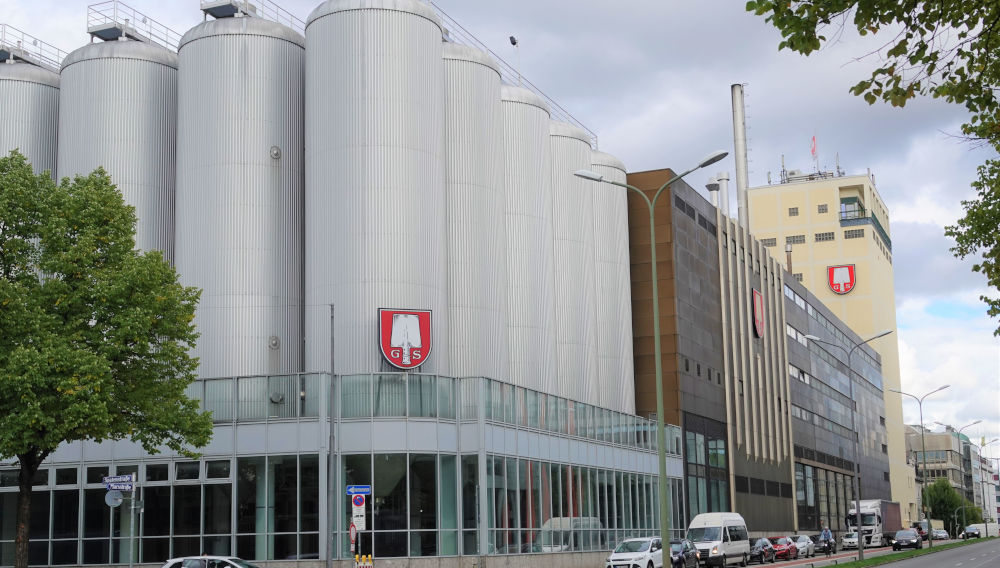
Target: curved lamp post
(854, 427)
(661, 438)
(923, 451)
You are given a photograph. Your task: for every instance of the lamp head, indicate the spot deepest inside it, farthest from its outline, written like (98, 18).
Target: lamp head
(587, 174)
(712, 158)
(811, 337)
(882, 333)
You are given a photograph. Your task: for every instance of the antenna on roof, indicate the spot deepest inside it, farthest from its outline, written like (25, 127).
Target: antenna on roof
(517, 58)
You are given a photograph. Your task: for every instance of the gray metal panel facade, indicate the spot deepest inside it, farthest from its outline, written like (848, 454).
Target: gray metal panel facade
(477, 261)
(118, 110)
(527, 188)
(615, 367)
(30, 99)
(573, 251)
(375, 198)
(240, 193)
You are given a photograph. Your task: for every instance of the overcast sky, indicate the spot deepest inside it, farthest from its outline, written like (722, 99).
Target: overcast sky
(652, 79)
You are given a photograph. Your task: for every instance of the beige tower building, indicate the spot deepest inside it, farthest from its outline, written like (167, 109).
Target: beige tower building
(837, 231)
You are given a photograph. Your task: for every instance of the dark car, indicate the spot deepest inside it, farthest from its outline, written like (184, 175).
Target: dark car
(762, 551)
(909, 538)
(683, 554)
(784, 547)
(970, 532)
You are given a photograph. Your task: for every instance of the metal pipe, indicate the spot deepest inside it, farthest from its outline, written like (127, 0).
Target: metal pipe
(740, 153)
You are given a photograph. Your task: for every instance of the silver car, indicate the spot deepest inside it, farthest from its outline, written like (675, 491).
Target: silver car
(805, 545)
(642, 552)
(849, 540)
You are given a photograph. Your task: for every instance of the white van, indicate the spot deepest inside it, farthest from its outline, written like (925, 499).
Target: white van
(721, 539)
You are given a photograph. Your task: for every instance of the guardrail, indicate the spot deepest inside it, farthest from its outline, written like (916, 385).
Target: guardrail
(20, 45)
(263, 9)
(131, 22)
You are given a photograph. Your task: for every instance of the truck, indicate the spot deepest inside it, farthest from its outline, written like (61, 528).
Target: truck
(878, 516)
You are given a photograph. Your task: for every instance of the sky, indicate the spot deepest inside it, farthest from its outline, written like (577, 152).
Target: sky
(651, 78)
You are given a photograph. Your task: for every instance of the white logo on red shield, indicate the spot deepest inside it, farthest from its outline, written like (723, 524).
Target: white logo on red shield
(841, 279)
(404, 336)
(758, 313)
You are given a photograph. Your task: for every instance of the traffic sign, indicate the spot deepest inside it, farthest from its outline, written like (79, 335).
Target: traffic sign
(127, 478)
(359, 489)
(120, 486)
(358, 511)
(113, 498)
(354, 536)
(358, 500)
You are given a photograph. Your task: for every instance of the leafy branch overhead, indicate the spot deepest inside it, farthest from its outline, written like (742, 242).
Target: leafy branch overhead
(947, 49)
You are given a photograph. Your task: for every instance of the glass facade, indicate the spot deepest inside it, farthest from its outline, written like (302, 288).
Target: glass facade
(249, 496)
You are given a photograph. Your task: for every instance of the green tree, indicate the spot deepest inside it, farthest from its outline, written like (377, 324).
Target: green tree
(94, 335)
(945, 49)
(944, 501)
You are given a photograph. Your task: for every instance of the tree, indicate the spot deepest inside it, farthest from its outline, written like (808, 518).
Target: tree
(94, 335)
(944, 49)
(944, 502)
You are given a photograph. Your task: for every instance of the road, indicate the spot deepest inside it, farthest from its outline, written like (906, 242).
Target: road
(984, 554)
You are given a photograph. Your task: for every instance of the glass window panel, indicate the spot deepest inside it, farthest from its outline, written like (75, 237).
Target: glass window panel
(512, 515)
(97, 551)
(157, 471)
(187, 509)
(218, 509)
(66, 476)
(155, 549)
(449, 492)
(156, 518)
(312, 387)
(389, 494)
(390, 544)
(217, 469)
(423, 492)
(446, 397)
(253, 398)
(39, 524)
(283, 396)
(219, 545)
(470, 485)
(423, 395)
(309, 545)
(64, 552)
(219, 399)
(97, 474)
(309, 492)
(65, 513)
(246, 547)
(250, 483)
(187, 470)
(283, 546)
(448, 543)
(96, 514)
(356, 398)
(470, 542)
(390, 395)
(423, 543)
(283, 493)
(470, 388)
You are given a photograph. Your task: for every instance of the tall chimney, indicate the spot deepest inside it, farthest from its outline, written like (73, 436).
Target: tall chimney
(740, 149)
(723, 178)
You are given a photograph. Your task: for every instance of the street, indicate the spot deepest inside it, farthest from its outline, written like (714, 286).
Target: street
(978, 555)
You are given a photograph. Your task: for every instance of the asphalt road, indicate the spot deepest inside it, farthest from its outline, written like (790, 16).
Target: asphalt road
(984, 554)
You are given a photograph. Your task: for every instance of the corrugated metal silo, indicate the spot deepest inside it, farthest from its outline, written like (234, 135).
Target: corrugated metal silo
(240, 178)
(477, 256)
(527, 188)
(614, 290)
(30, 98)
(118, 109)
(575, 287)
(375, 199)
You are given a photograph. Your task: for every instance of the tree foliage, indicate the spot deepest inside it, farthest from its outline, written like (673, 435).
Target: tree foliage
(944, 501)
(946, 49)
(94, 335)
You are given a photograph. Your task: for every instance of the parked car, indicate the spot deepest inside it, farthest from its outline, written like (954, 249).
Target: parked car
(849, 540)
(643, 552)
(941, 534)
(208, 562)
(909, 538)
(762, 551)
(805, 545)
(683, 554)
(971, 531)
(784, 547)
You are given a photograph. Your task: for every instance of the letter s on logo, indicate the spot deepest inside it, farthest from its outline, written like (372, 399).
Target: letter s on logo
(416, 354)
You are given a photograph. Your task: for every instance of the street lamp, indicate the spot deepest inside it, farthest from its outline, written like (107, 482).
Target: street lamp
(661, 437)
(923, 451)
(854, 428)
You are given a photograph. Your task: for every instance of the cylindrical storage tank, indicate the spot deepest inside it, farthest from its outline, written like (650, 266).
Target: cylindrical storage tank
(240, 193)
(477, 256)
(575, 287)
(375, 198)
(118, 110)
(527, 188)
(30, 99)
(614, 286)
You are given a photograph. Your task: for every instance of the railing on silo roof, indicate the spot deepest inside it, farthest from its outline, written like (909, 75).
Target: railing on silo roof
(15, 44)
(257, 9)
(113, 19)
(510, 74)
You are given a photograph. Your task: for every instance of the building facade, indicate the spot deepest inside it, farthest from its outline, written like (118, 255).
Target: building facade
(841, 250)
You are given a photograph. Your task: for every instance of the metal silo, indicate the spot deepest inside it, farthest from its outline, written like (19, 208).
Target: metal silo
(527, 188)
(240, 178)
(614, 289)
(477, 256)
(375, 198)
(118, 109)
(30, 98)
(573, 251)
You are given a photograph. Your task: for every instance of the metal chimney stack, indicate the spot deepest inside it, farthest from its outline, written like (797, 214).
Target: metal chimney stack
(740, 148)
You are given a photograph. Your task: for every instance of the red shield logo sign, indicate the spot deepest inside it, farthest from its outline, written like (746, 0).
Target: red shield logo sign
(840, 278)
(758, 313)
(405, 336)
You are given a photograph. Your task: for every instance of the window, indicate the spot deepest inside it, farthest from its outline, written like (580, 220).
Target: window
(885, 475)
(821, 208)
(795, 239)
(881, 420)
(798, 276)
(885, 449)
(769, 242)
(793, 211)
(821, 237)
(854, 234)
